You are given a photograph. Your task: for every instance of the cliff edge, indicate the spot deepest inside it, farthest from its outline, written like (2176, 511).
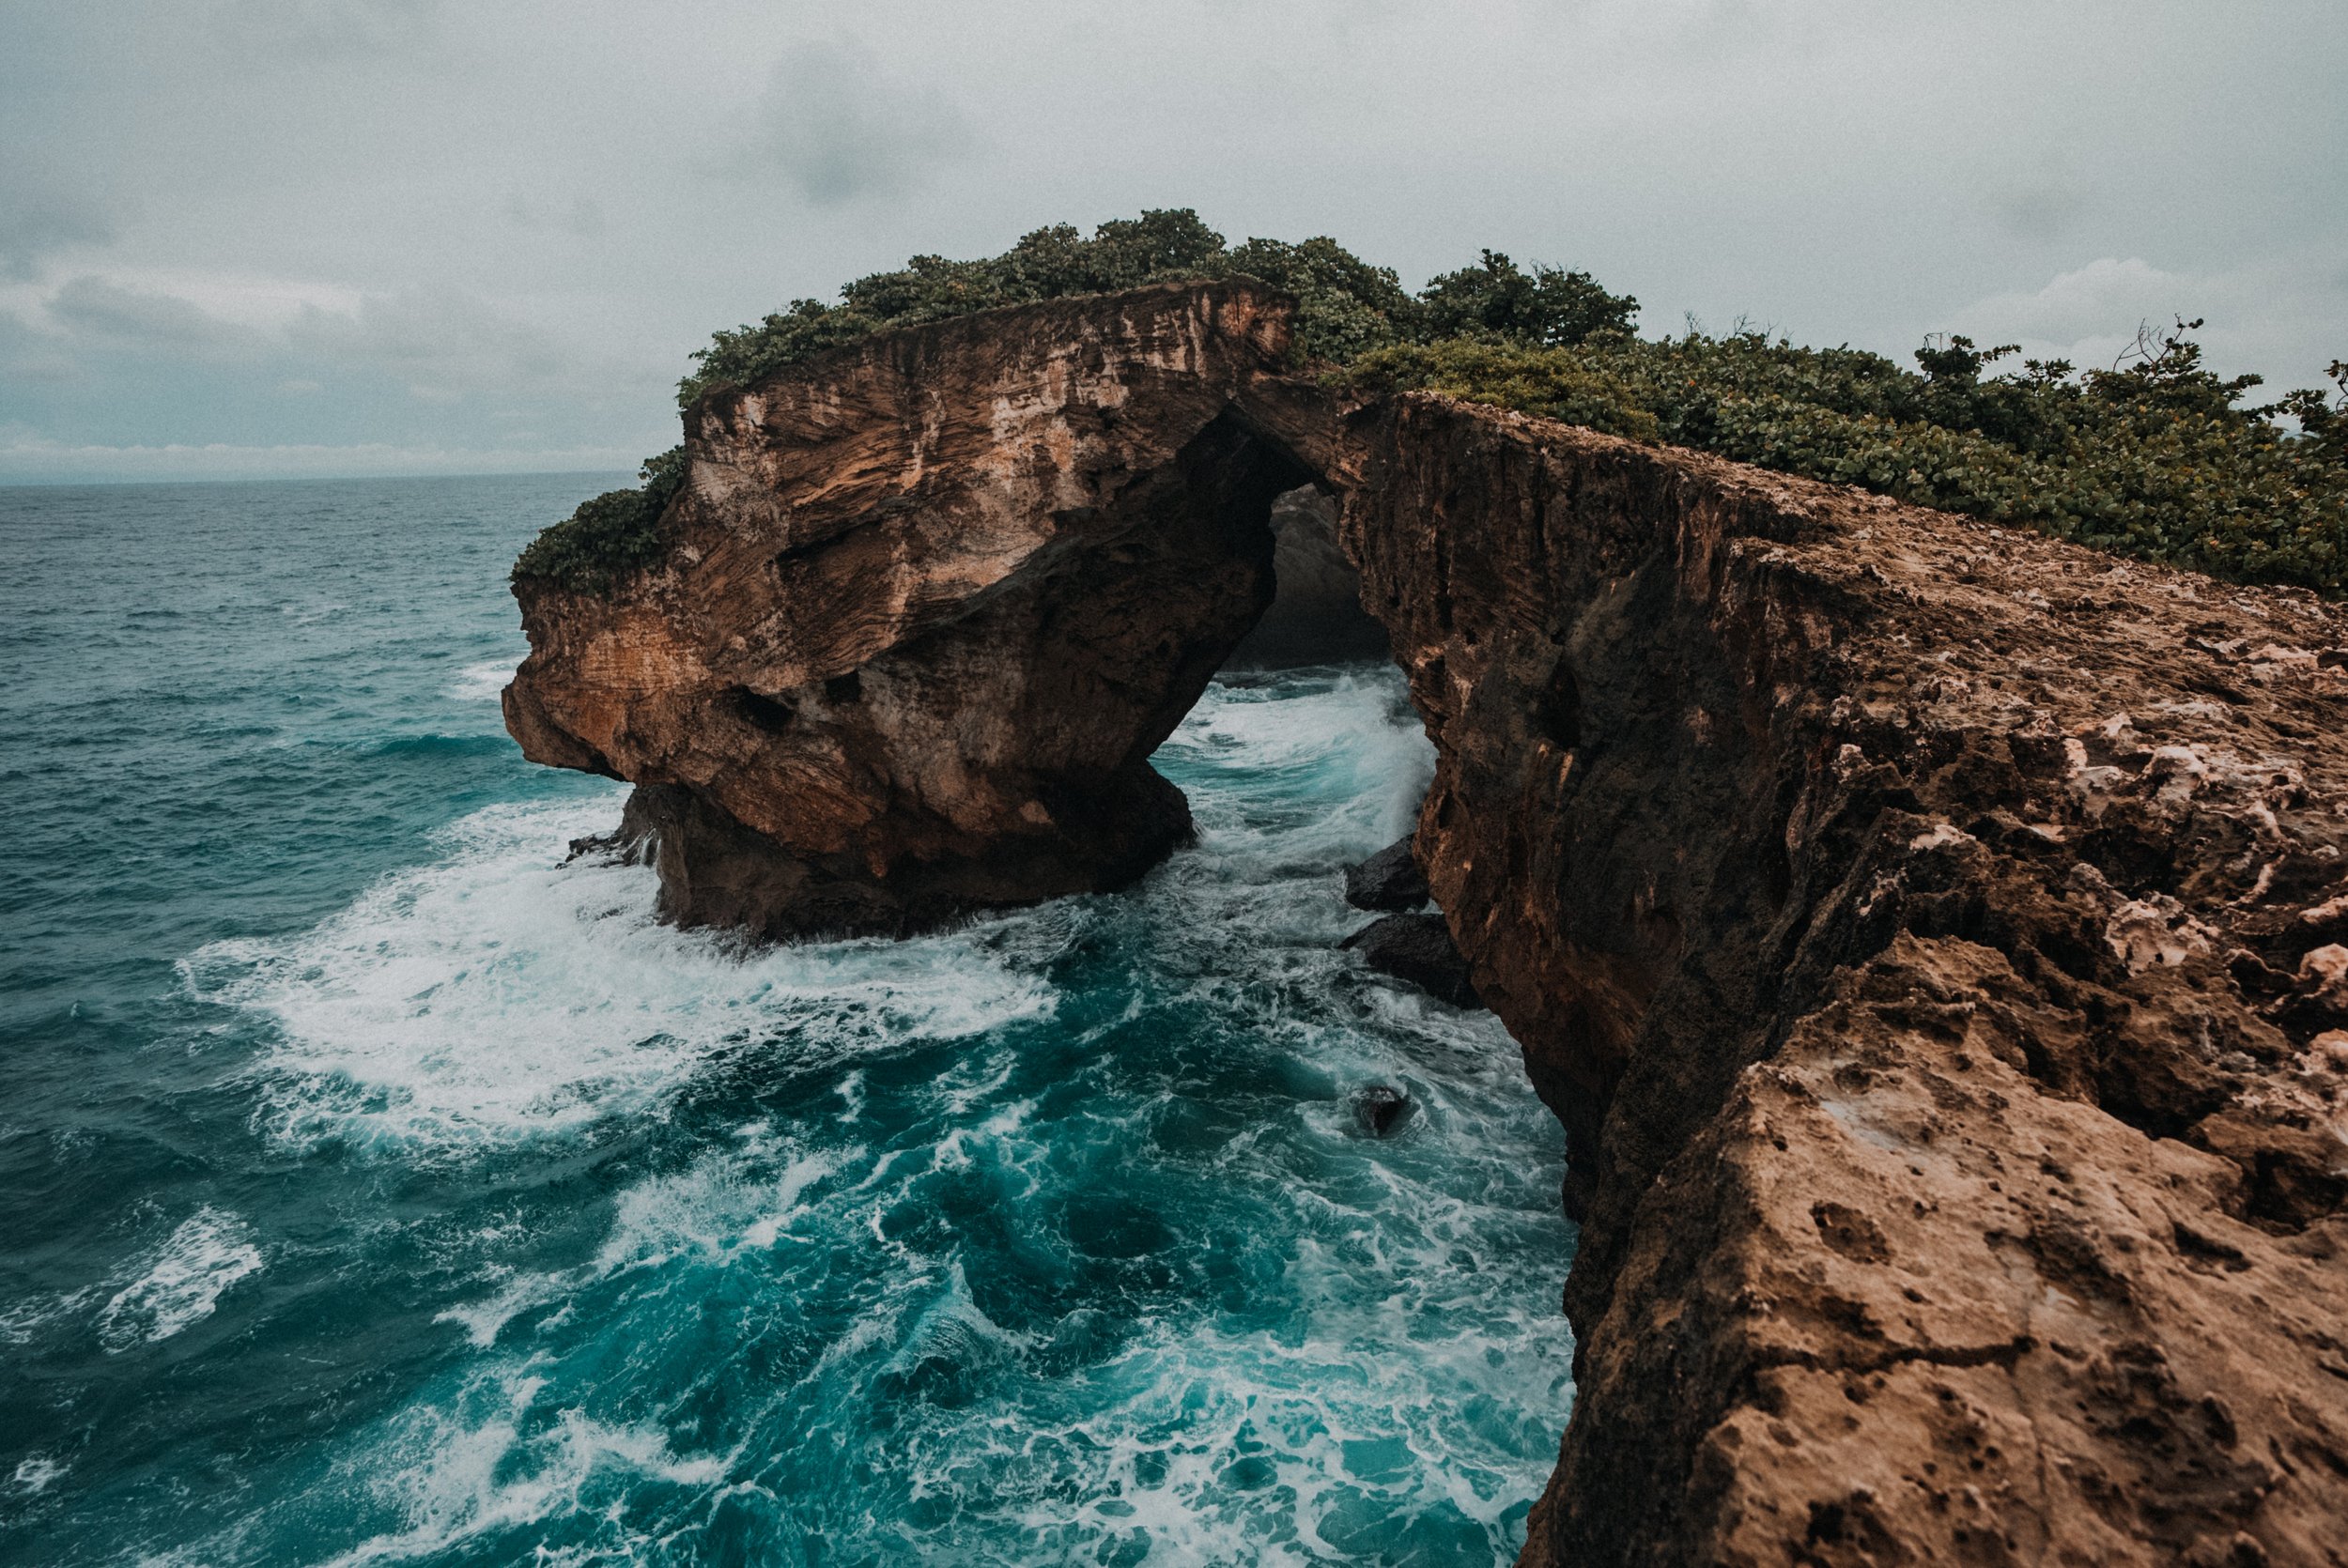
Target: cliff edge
(1933, 938)
(1930, 936)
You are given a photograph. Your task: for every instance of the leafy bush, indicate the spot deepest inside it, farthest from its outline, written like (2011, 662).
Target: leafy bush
(2318, 420)
(2155, 456)
(609, 537)
(1346, 305)
(1554, 385)
(1545, 308)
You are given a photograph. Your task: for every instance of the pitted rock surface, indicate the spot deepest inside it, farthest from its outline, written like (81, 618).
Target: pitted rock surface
(1926, 932)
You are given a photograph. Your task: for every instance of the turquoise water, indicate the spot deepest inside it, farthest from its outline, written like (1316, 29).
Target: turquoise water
(379, 1189)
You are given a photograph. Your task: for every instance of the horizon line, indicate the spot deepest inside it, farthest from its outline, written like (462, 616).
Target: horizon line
(14, 482)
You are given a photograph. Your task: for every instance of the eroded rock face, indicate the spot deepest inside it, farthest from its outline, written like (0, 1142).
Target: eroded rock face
(934, 598)
(1934, 939)
(1316, 615)
(1921, 928)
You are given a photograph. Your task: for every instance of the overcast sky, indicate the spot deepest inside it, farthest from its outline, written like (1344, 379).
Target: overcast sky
(259, 237)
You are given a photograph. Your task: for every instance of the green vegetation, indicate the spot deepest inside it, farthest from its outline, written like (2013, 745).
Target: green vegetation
(1346, 305)
(2154, 458)
(608, 537)
(2318, 419)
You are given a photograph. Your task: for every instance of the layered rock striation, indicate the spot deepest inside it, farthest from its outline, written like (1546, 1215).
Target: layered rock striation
(929, 603)
(1934, 939)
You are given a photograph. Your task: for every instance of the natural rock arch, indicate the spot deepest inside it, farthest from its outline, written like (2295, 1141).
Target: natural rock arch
(933, 601)
(1933, 938)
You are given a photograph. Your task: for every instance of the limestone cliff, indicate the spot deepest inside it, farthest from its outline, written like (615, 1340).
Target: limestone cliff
(1931, 937)
(1316, 614)
(930, 600)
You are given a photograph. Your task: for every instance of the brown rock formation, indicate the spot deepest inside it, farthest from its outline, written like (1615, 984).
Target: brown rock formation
(1934, 939)
(1921, 930)
(932, 601)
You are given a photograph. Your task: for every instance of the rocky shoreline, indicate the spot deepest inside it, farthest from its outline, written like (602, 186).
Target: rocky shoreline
(1930, 936)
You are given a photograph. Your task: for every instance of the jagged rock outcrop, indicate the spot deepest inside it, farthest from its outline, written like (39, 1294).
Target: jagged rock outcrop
(1418, 950)
(1934, 939)
(1389, 881)
(930, 600)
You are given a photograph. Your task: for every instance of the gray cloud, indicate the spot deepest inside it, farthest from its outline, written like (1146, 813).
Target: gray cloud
(838, 125)
(2251, 313)
(37, 221)
(582, 215)
(2041, 203)
(444, 222)
(328, 28)
(92, 307)
(29, 359)
(26, 455)
(2097, 297)
(441, 344)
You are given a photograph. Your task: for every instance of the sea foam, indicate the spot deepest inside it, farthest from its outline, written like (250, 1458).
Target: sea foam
(1113, 1278)
(181, 1283)
(500, 1462)
(500, 993)
(36, 1475)
(483, 682)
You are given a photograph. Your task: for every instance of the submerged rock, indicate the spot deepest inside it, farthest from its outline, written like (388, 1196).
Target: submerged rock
(1389, 880)
(1380, 1110)
(1417, 948)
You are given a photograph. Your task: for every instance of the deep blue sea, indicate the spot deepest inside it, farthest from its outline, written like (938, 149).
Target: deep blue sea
(376, 1188)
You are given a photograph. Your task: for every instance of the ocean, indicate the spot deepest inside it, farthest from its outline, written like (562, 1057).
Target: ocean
(381, 1188)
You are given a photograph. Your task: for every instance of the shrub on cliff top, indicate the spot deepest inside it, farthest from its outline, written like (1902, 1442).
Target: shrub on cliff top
(609, 536)
(1499, 300)
(1045, 264)
(2154, 458)
(1345, 305)
(2320, 420)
